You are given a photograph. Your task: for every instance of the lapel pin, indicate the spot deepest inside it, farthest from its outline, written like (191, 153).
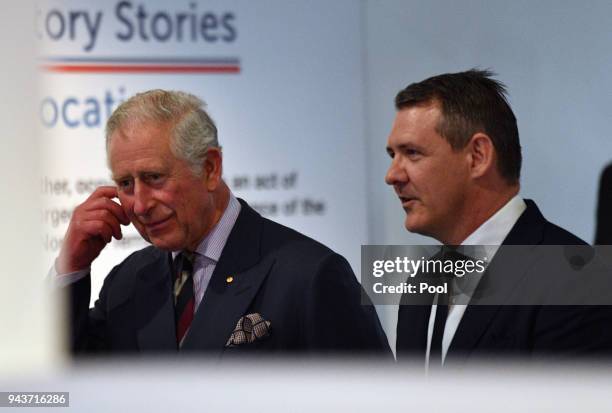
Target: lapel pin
(229, 279)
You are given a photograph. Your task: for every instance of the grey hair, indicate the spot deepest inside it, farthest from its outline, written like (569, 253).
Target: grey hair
(193, 133)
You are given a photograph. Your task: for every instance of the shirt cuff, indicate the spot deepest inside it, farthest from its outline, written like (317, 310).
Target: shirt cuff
(63, 280)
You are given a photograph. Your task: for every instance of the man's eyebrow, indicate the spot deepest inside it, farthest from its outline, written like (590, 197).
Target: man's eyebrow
(117, 178)
(410, 146)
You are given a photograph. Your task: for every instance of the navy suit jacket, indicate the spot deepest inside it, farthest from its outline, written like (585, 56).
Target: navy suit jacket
(308, 293)
(527, 331)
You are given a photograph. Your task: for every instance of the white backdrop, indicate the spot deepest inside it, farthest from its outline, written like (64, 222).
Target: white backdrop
(553, 55)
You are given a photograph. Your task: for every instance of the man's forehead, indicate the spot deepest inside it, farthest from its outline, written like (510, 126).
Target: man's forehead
(140, 137)
(419, 114)
(415, 122)
(143, 147)
(144, 163)
(136, 128)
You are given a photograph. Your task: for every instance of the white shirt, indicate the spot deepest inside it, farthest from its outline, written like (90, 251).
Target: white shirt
(490, 234)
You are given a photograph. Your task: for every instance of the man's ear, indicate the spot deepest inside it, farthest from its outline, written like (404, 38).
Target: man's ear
(482, 154)
(213, 168)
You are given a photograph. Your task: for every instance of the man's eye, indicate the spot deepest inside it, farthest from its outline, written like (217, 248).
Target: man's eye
(412, 153)
(154, 178)
(124, 184)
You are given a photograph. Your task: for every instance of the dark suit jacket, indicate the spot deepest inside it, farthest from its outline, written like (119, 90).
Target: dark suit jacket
(527, 331)
(308, 293)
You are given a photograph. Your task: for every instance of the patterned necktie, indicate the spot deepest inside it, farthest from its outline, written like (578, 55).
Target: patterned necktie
(184, 301)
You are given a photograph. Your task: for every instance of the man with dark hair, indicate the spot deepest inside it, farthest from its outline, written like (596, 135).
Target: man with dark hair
(218, 279)
(471, 102)
(455, 166)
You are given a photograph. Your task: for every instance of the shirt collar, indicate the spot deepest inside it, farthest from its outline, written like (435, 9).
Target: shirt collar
(493, 231)
(212, 245)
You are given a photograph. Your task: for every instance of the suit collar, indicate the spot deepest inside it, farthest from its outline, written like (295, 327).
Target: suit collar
(529, 229)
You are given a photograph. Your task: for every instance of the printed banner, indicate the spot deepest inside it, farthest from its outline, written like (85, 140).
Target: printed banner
(282, 80)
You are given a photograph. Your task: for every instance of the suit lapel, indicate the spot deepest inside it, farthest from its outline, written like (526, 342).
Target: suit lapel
(477, 319)
(496, 289)
(224, 302)
(223, 305)
(153, 294)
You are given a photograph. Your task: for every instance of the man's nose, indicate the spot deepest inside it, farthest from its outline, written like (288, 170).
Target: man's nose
(143, 202)
(395, 174)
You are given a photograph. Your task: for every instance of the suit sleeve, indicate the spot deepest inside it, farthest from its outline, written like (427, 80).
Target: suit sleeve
(335, 321)
(88, 326)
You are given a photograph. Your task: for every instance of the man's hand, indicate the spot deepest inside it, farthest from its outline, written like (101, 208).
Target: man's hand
(93, 225)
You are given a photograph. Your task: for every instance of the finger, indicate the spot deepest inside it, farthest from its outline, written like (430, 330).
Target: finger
(104, 191)
(108, 217)
(107, 204)
(99, 229)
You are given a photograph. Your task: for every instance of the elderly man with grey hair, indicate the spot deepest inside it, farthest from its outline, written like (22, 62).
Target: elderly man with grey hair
(218, 278)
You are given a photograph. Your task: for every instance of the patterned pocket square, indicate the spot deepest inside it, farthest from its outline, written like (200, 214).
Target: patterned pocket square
(250, 328)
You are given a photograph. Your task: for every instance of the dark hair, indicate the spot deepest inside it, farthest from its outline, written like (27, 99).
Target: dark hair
(471, 102)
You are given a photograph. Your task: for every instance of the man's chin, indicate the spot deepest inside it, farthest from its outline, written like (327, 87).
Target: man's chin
(413, 225)
(166, 243)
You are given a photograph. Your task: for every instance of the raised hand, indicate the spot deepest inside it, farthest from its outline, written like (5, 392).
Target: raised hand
(93, 225)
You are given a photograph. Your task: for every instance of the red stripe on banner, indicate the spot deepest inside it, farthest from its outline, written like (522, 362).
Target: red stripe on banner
(139, 69)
